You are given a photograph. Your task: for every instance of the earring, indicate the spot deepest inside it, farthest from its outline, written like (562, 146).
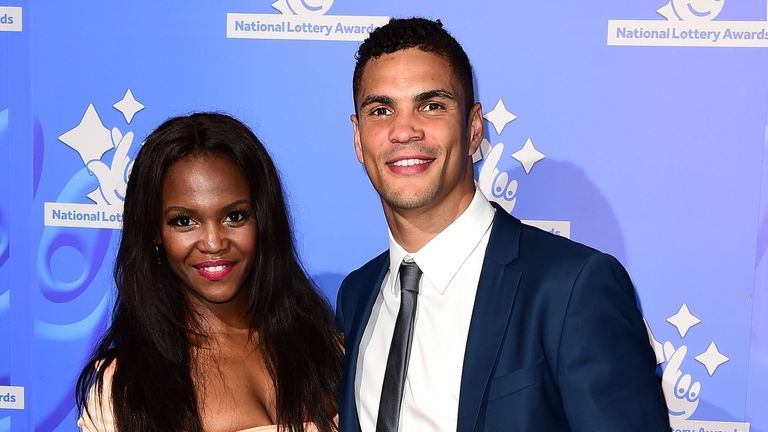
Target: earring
(158, 255)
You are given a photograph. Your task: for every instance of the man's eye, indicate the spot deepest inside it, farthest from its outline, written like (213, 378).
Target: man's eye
(433, 106)
(237, 216)
(380, 111)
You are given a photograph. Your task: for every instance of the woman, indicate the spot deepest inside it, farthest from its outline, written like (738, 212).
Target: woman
(215, 327)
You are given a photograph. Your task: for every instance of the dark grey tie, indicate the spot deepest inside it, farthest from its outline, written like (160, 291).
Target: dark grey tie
(400, 350)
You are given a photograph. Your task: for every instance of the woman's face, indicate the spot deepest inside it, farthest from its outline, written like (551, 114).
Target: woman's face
(208, 228)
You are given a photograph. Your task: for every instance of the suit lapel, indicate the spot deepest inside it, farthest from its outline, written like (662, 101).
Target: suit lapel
(372, 279)
(367, 299)
(496, 291)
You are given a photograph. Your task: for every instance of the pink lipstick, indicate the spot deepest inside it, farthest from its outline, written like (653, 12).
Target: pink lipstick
(215, 270)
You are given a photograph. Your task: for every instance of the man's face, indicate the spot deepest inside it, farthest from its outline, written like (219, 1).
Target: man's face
(413, 132)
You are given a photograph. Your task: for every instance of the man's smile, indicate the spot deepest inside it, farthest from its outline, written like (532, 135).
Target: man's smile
(406, 165)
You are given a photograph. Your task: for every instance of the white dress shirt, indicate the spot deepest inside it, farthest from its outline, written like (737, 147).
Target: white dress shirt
(450, 264)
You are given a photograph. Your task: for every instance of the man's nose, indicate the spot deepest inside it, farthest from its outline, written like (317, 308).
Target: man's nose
(406, 128)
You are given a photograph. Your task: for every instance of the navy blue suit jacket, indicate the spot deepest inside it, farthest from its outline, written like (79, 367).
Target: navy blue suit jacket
(556, 341)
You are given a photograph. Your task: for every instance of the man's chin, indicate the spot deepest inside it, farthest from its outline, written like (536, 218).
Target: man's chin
(407, 200)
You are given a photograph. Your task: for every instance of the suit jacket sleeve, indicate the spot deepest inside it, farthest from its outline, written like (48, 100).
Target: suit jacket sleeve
(606, 367)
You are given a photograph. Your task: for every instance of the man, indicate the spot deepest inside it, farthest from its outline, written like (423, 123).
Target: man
(472, 321)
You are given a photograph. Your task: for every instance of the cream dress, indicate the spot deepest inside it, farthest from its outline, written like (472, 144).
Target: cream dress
(99, 418)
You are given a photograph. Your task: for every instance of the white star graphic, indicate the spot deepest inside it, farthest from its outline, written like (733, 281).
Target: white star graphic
(90, 138)
(528, 156)
(97, 197)
(683, 320)
(668, 12)
(282, 6)
(658, 348)
(711, 358)
(499, 116)
(129, 106)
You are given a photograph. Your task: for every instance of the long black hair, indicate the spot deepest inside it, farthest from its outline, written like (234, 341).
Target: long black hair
(152, 387)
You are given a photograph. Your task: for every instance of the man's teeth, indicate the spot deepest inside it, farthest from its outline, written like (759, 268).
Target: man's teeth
(214, 269)
(410, 162)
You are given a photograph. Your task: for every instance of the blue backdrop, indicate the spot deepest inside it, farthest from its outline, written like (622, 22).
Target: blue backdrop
(640, 128)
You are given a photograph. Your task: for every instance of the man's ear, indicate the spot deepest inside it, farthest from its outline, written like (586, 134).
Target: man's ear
(356, 129)
(475, 127)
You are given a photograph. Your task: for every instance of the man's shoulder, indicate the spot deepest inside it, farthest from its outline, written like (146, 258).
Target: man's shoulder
(555, 243)
(543, 255)
(545, 245)
(363, 276)
(354, 287)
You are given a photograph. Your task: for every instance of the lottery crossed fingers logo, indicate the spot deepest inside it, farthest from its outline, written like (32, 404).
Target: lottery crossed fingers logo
(495, 184)
(113, 178)
(691, 10)
(105, 154)
(302, 20)
(695, 23)
(303, 7)
(498, 181)
(680, 390)
(682, 382)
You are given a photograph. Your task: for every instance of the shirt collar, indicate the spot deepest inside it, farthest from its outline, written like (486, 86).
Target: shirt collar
(442, 257)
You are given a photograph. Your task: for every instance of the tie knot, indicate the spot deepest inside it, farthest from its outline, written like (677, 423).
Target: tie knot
(410, 273)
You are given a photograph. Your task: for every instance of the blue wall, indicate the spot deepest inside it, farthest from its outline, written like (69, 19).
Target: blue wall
(653, 150)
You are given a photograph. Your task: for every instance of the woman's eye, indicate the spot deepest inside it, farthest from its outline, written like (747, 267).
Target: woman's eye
(181, 221)
(237, 216)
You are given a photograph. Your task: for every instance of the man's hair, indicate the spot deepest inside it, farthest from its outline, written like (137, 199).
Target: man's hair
(426, 35)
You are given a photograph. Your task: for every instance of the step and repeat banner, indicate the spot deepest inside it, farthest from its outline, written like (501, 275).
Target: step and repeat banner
(640, 128)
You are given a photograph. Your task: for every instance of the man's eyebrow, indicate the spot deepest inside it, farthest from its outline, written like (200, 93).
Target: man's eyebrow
(376, 99)
(436, 93)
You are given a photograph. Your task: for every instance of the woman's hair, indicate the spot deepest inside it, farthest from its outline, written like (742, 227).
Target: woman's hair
(149, 336)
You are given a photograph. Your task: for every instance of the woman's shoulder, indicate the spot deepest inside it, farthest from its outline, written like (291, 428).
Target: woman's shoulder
(97, 415)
